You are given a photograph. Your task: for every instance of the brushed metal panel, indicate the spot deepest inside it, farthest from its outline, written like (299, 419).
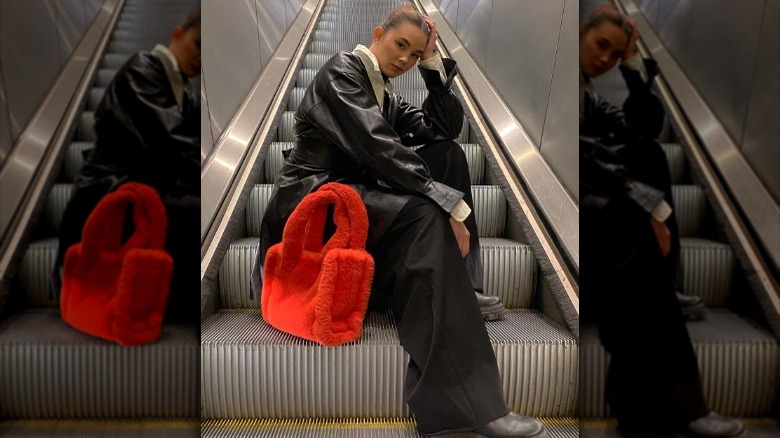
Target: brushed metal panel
(722, 62)
(292, 7)
(473, 18)
(762, 131)
(449, 9)
(231, 60)
(271, 26)
(71, 25)
(674, 28)
(28, 28)
(521, 55)
(560, 130)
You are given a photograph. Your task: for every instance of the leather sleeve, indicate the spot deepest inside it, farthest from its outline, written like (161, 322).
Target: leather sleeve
(139, 106)
(441, 115)
(348, 116)
(604, 178)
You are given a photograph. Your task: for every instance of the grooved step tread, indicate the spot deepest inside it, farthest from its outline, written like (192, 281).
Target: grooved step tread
(50, 370)
(102, 428)
(606, 428)
(563, 427)
(738, 359)
(252, 370)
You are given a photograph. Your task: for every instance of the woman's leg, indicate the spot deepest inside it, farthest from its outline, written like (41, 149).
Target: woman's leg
(453, 381)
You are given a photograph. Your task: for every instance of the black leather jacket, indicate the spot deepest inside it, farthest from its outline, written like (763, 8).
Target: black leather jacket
(342, 135)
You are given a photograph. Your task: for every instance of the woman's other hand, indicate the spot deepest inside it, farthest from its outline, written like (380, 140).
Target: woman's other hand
(431, 44)
(631, 46)
(462, 235)
(662, 235)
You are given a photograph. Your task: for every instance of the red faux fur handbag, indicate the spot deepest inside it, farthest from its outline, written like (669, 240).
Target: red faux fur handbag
(119, 291)
(320, 292)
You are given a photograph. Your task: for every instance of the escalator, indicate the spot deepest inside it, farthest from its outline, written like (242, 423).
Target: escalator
(259, 381)
(56, 379)
(738, 353)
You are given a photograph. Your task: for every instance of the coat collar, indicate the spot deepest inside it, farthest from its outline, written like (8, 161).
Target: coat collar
(378, 81)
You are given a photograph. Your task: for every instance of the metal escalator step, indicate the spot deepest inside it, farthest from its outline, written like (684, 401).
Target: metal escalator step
(296, 96)
(348, 428)
(115, 60)
(55, 205)
(74, 159)
(235, 274)
(607, 428)
(285, 132)
(739, 363)
(690, 207)
(104, 77)
(334, 35)
(708, 270)
(489, 209)
(275, 159)
(95, 96)
(125, 47)
(86, 130)
(125, 428)
(330, 47)
(50, 370)
(411, 80)
(305, 76)
(676, 159)
(251, 370)
(35, 273)
(509, 272)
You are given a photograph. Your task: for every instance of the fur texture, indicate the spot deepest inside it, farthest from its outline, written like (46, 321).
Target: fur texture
(114, 290)
(315, 291)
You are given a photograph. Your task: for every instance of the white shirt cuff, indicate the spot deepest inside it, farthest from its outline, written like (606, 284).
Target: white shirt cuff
(634, 62)
(661, 211)
(435, 63)
(460, 211)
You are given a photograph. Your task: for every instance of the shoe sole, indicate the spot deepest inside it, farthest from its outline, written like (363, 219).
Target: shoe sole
(493, 313)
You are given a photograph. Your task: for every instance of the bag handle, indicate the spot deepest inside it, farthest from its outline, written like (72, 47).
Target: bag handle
(306, 225)
(103, 230)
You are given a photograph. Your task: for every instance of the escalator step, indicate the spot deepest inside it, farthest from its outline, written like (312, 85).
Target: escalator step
(124, 428)
(74, 159)
(53, 371)
(349, 428)
(115, 60)
(55, 206)
(489, 208)
(509, 266)
(708, 270)
(270, 374)
(95, 96)
(296, 96)
(676, 159)
(104, 77)
(35, 273)
(739, 363)
(330, 47)
(690, 207)
(86, 130)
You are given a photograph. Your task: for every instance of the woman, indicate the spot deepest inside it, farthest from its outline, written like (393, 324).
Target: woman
(653, 382)
(351, 129)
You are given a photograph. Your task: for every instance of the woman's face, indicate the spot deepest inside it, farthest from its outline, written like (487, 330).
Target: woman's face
(398, 49)
(601, 47)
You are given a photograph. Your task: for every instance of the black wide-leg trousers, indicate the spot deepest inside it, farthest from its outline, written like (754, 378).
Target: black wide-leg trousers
(452, 381)
(653, 382)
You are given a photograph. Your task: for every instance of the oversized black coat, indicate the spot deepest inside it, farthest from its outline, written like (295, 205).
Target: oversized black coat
(144, 135)
(342, 135)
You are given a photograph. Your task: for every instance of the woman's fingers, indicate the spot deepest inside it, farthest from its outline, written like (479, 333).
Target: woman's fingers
(462, 236)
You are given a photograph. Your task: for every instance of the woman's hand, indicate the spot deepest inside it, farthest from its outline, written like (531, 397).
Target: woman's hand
(631, 45)
(662, 235)
(462, 235)
(431, 44)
